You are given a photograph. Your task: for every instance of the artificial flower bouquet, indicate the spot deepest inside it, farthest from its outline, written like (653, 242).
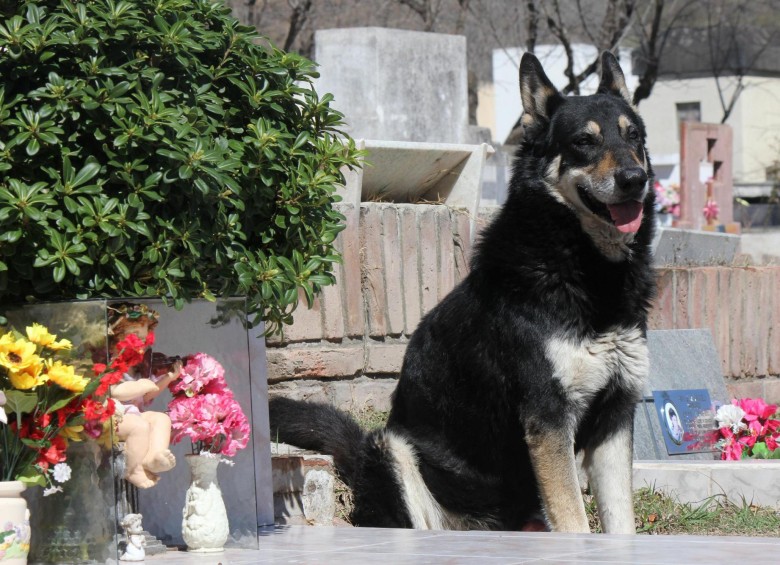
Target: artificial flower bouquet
(44, 404)
(203, 408)
(667, 198)
(748, 428)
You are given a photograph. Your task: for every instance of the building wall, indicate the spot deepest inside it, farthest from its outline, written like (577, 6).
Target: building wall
(755, 120)
(760, 103)
(486, 107)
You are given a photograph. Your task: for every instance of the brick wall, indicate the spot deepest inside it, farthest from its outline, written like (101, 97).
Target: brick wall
(741, 306)
(401, 259)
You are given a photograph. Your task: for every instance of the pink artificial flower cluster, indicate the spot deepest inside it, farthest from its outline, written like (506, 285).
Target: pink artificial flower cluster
(667, 198)
(203, 408)
(752, 433)
(711, 210)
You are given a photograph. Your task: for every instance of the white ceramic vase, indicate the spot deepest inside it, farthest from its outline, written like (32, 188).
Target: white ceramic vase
(204, 524)
(665, 220)
(14, 524)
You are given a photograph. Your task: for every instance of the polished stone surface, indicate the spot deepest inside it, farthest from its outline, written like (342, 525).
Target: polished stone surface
(679, 359)
(325, 545)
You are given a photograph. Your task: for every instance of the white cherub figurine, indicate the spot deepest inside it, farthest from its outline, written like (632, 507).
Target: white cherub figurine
(135, 538)
(146, 433)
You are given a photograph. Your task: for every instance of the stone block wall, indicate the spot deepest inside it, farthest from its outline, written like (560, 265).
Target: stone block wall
(741, 306)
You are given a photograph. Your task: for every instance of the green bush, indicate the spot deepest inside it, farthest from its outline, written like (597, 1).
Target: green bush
(156, 148)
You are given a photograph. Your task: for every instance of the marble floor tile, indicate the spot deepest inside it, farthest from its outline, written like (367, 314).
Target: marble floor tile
(302, 545)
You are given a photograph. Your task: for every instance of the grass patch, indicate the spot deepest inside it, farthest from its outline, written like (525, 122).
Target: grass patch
(657, 513)
(370, 419)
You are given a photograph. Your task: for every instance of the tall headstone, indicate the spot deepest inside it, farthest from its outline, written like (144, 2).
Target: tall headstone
(679, 360)
(705, 153)
(396, 85)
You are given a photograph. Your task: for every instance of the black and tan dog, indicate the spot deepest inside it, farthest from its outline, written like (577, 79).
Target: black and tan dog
(538, 354)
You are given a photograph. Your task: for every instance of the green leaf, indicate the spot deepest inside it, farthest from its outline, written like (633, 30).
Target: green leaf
(32, 477)
(122, 269)
(85, 174)
(20, 402)
(33, 147)
(61, 403)
(58, 274)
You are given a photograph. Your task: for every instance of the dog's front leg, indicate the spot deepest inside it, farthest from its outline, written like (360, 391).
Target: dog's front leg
(552, 457)
(608, 466)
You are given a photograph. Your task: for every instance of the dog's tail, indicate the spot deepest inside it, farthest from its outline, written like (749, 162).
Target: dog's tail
(319, 427)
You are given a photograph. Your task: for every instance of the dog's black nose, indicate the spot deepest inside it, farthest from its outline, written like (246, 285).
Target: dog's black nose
(631, 180)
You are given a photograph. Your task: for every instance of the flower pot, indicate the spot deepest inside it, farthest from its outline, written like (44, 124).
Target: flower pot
(204, 524)
(665, 220)
(14, 524)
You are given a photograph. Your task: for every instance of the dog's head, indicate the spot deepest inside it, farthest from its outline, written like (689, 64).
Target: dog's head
(594, 152)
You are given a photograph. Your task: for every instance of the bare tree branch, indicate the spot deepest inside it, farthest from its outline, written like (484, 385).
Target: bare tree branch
(426, 9)
(462, 14)
(300, 14)
(584, 20)
(532, 25)
(558, 29)
(729, 42)
(615, 24)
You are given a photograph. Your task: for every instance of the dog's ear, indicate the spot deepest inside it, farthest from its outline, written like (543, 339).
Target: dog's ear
(540, 97)
(612, 79)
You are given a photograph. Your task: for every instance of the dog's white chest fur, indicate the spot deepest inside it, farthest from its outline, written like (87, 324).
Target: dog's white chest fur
(585, 366)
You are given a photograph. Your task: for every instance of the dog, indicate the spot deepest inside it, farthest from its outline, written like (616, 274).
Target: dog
(538, 354)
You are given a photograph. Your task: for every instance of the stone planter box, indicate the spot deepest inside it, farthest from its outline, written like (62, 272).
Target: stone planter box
(80, 524)
(751, 481)
(684, 247)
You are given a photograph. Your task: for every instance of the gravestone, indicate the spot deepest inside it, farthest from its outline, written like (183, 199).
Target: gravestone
(706, 152)
(396, 85)
(679, 359)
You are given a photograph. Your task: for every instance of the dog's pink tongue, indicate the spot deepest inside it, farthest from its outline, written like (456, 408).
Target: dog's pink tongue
(627, 216)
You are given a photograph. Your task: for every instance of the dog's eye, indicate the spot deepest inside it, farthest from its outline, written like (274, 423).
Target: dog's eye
(633, 134)
(584, 140)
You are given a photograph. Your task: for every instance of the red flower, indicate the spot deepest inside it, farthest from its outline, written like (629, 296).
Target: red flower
(98, 368)
(53, 454)
(106, 381)
(100, 411)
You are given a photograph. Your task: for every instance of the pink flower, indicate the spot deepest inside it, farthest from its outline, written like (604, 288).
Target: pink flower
(760, 429)
(755, 408)
(204, 410)
(711, 210)
(201, 370)
(732, 451)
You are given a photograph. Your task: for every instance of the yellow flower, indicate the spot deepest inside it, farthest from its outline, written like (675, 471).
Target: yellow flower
(65, 376)
(40, 335)
(6, 340)
(18, 355)
(72, 433)
(61, 344)
(30, 376)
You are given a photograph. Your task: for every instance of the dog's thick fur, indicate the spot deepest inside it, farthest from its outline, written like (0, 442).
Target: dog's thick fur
(538, 354)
